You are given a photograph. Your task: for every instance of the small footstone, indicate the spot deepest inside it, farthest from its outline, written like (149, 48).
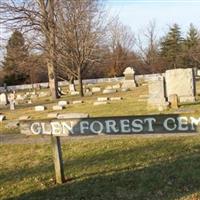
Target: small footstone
(62, 103)
(52, 115)
(24, 117)
(77, 102)
(97, 103)
(40, 108)
(116, 98)
(73, 116)
(102, 99)
(57, 107)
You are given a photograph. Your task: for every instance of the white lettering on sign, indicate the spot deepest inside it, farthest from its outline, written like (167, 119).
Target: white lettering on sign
(150, 122)
(84, 125)
(36, 128)
(182, 123)
(137, 125)
(125, 126)
(170, 121)
(114, 126)
(194, 122)
(111, 126)
(96, 127)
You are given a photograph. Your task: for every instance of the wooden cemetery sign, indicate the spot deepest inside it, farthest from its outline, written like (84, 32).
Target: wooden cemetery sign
(172, 123)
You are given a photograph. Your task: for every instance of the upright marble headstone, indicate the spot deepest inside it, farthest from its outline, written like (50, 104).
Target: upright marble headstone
(157, 96)
(72, 88)
(182, 83)
(12, 105)
(129, 79)
(3, 99)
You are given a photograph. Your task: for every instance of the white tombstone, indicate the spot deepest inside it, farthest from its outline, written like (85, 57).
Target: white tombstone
(3, 99)
(73, 116)
(12, 105)
(72, 88)
(129, 80)
(74, 93)
(40, 108)
(182, 83)
(109, 91)
(96, 89)
(157, 96)
(2, 117)
(102, 99)
(97, 103)
(62, 103)
(25, 117)
(116, 98)
(57, 107)
(52, 115)
(77, 102)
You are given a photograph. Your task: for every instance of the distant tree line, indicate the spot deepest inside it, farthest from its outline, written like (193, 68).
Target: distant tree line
(67, 40)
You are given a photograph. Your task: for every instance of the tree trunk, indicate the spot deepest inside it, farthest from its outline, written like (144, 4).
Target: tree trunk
(80, 82)
(52, 74)
(53, 85)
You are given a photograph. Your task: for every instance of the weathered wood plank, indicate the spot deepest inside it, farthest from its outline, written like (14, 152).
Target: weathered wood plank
(57, 159)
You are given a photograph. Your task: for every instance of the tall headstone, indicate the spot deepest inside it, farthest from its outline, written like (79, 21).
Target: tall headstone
(3, 99)
(12, 105)
(72, 88)
(157, 96)
(129, 79)
(182, 83)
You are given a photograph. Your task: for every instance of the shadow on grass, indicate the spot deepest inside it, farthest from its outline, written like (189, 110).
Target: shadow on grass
(167, 181)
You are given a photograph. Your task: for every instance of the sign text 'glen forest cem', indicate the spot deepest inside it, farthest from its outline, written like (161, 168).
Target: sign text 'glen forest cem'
(112, 125)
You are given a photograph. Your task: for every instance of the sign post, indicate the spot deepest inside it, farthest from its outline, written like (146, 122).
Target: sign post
(57, 159)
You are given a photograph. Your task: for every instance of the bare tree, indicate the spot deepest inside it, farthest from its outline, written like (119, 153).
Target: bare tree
(148, 46)
(121, 41)
(37, 17)
(81, 28)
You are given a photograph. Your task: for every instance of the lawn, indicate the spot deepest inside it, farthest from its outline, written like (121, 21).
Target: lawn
(103, 167)
(110, 168)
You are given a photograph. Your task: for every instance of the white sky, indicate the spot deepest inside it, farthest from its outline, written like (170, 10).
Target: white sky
(138, 13)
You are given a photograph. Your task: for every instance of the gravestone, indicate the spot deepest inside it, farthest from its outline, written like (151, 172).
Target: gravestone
(97, 103)
(78, 102)
(96, 89)
(57, 107)
(129, 80)
(52, 115)
(116, 98)
(72, 88)
(182, 83)
(62, 103)
(173, 100)
(3, 99)
(40, 108)
(2, 117)
(12, 105)
(117, 86)
(109, 91)
(102, 99)
(157, 96)
(25, 117)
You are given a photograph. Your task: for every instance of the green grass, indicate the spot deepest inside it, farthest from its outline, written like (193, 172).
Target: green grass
(119, 168)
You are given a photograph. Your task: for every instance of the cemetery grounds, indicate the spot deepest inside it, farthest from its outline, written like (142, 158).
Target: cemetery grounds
(103, 167)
